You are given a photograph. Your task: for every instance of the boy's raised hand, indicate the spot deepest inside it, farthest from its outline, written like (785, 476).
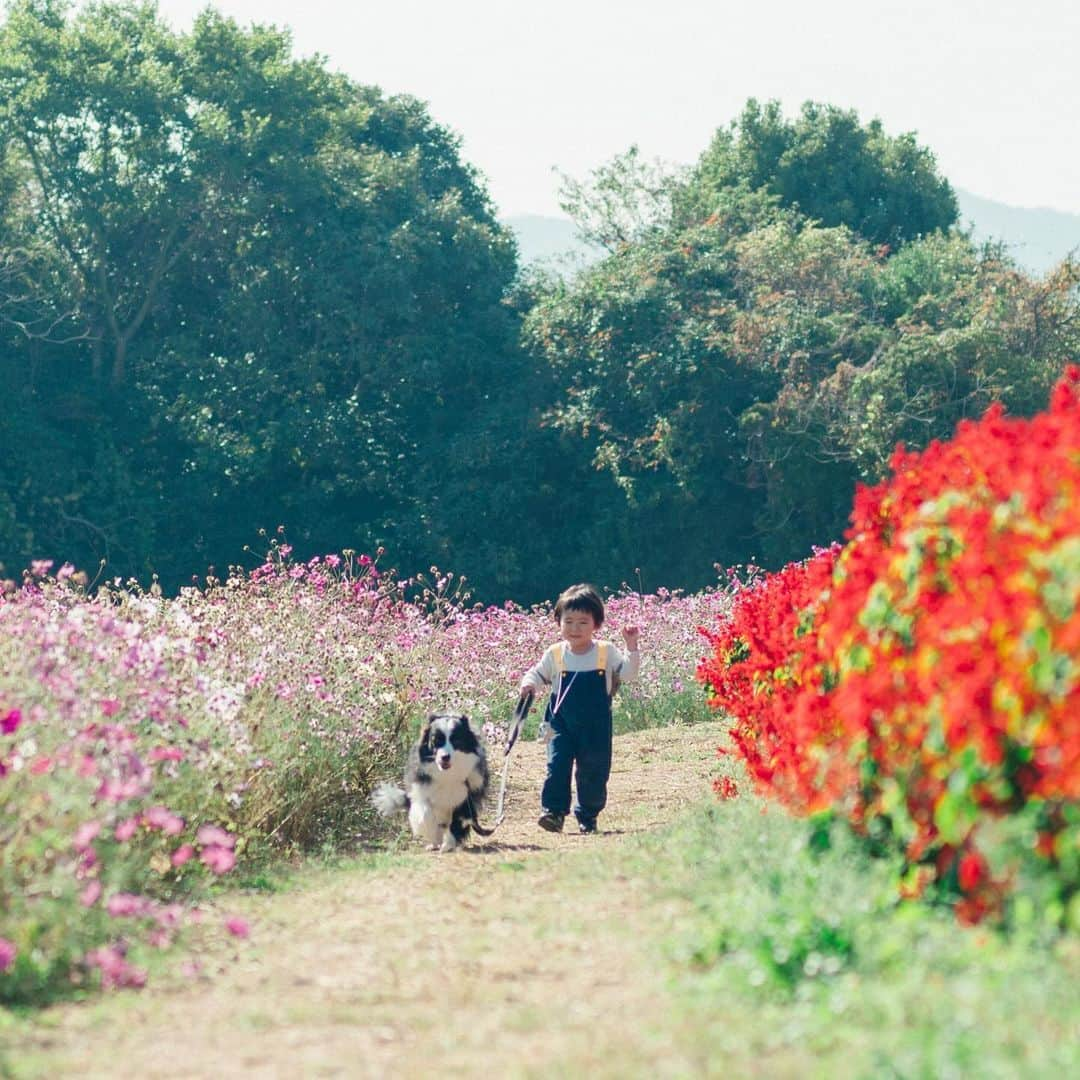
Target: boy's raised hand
(630, 636)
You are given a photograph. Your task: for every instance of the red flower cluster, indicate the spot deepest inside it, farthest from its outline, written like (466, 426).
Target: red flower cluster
(925, 678)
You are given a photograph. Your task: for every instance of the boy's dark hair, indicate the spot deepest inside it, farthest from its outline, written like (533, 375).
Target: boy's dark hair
(580, 598)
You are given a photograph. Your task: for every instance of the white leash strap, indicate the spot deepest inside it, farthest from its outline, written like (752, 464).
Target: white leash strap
(521, 710)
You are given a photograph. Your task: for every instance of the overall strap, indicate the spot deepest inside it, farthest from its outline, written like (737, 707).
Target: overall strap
(601, 656)
(557, 656)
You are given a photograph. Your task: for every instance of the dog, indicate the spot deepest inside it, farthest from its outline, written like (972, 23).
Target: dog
(446, 781)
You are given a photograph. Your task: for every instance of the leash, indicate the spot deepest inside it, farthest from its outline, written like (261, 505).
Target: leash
(521, 710)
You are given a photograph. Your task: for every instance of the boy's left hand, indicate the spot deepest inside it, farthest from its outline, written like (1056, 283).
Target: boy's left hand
(630, 636)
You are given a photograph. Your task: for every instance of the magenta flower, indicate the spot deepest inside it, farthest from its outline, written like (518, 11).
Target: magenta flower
(85, 834)
(126, 829)
(91, 894)
(219, 859)
(160, 817)
(121, 905)
(115, 970)
(169, 916)
(212, 835)
(237, 927)
(11, 721)
(166, 753)
(8, 952)
(182, 854)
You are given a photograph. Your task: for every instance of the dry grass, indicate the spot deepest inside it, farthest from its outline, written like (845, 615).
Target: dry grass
(512, 957)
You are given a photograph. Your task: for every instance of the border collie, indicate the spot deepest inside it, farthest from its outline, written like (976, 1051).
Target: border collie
(446, 779)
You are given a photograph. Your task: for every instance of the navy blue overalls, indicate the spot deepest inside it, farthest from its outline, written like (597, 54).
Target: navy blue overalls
(580, 721)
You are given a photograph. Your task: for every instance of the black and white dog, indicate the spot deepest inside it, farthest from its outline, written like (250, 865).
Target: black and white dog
(446, 779)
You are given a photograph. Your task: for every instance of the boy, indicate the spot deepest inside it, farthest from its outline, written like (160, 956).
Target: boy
(583, 674)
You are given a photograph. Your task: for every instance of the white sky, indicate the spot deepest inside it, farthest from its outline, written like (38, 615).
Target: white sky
(990, 87)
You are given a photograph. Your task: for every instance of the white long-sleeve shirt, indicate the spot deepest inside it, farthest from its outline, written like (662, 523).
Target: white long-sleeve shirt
(546, 675)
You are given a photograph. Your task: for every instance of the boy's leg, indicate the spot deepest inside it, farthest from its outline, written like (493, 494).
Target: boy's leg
(555, 794)
(591, 777)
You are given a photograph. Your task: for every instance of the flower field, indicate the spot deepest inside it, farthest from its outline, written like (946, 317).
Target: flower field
(922, 681)
(150, 747)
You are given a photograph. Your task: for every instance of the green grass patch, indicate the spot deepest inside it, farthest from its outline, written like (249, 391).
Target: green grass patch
(785, 951)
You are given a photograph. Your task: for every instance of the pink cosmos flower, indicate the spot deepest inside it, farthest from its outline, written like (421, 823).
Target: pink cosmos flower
(91, 894)
(85, 834)
(219, 859)
(169, 916)
(212, 835)
(160, 817)
(115, 970)
(10, 722)
(110, 707)
(120, 905)
(237, 927)
(182, 854)
(126, 829)
(8, 952)
(166, 753)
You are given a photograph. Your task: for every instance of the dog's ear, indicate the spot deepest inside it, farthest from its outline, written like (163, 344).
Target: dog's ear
(424, 742)
(464, 736)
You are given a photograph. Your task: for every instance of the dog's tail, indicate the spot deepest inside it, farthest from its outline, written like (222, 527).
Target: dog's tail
(475, 817)
(389, 800)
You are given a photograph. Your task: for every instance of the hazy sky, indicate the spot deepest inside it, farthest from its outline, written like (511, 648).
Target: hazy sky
(991, 88)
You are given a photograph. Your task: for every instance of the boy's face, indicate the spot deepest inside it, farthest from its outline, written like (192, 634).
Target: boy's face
(577, 628)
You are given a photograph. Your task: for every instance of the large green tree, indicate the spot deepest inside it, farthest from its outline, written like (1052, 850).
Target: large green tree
(285, 291)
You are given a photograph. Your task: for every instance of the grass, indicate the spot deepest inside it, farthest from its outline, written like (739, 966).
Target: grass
(782, 958)
(723, 944)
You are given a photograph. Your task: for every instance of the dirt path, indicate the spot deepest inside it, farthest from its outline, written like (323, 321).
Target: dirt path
(521, 957)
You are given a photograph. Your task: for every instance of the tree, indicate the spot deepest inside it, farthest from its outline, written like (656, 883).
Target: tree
(830, 168)
(739, 368)
(293, 286)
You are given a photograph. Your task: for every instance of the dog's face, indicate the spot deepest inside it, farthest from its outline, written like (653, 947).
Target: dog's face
(444, 736)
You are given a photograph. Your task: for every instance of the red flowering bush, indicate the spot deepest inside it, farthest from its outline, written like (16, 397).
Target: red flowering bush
(924, 680)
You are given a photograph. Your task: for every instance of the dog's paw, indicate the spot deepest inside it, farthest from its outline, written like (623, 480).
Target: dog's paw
(449, 844)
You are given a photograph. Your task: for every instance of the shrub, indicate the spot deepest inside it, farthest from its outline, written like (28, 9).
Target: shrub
(924, 680)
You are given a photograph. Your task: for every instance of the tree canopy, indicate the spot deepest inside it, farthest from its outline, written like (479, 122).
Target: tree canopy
(831, 168)
(238, 290)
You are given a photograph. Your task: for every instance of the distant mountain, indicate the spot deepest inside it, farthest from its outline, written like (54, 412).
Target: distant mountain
(550, 240)
(1036, 238)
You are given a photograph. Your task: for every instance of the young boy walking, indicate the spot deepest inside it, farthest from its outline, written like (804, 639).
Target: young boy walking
(582, 674)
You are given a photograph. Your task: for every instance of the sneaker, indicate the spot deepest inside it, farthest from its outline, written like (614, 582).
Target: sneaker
(586, 826)
(551, 821)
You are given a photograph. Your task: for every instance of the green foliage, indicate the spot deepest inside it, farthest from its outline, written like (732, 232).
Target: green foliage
(739, 367)
(238, 289)
(831, 168)
(282, 294)
(798, 933)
